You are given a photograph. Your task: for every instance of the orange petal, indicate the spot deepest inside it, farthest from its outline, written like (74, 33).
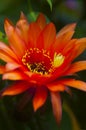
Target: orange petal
(2, 69)
(75, 84)
(67, 28)
(33, 34)
(6, 58)
(14, 75)
(80, 46)
(22, 16)
(16, 88)
(63, 42)
(6, 50)
(41, 20)
(40, 97)
(49, 34)
(22, 27)
(69, 47)
(56, 87)
(12, 66)
(15, 41)
(57, 106)
(77, 66)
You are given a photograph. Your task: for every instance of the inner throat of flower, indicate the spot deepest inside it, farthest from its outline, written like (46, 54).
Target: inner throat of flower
(37, 67)
(39, 61)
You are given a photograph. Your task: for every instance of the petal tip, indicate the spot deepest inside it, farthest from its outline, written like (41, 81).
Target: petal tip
(8, 25)
(22, 16)
(41, 15)
(41, 20)
(73, 25)
(35, 107)
(7, 22)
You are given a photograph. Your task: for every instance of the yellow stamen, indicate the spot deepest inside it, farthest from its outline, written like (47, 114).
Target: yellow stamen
(58, 60)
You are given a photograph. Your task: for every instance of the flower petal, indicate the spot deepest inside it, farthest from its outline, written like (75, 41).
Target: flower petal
(5, 57)
(36, 77)
(22, 27)
(56, 87)
(14, 75)
(40, 42)
(63, 42)
(49, 34)
(2, 69)
(77, 66)
(67, 28)
(69, 47)
(57, 106)
(59, 71)
(16, 88)
(33, 34)
(41, 20)
(15, 41)
(4, 49)
(80, 46)
(75, 84)
(40, 97)
(12, 66)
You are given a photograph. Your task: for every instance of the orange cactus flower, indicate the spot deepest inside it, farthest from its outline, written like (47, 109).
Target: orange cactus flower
(36, 57)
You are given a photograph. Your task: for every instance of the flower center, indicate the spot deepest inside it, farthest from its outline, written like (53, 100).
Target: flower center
(39, 61)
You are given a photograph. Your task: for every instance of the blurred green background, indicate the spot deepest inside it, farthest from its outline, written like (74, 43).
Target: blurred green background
(61, 12)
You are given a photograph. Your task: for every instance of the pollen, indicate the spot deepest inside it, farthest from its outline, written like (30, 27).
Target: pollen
(58, 60)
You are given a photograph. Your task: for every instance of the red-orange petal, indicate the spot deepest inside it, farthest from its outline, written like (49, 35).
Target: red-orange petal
(33, 34)
(69, 47)
(40, 97)
(75, 84)
(59, 71)
(16, 42)
(56, 106)
(63, 41)
(80, 46)
(40, 42)
(2, 69)
(41, 20)
(77, 66)
(56, 87)
(5, 57)
(67, 28)
(14, 75)
(4, 49)
(17, 88)
(38, 77)
(22, 27)
(49, 34)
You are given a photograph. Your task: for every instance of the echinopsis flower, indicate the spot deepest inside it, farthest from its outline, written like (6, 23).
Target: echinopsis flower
(36, 57)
